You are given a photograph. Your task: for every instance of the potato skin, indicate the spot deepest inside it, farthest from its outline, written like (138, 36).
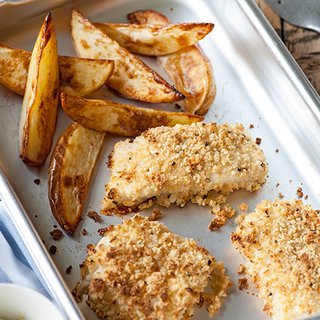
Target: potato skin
(40, 103)
(189, 68)
(131, 78)
(117, 118)
(71, 166)
(79, 76)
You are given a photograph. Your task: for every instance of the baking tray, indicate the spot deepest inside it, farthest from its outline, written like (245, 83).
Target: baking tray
(258, 83)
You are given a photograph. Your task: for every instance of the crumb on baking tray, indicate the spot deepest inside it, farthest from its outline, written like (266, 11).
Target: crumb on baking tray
(37, 181)
(258, 141)
(243, 206)
(299, 192)
(140, 270)
(241, 269)
(84, 232)
(102, 231)
(222, 213)
(243, 284)
(155, 215)
(251, 126)
(68, 270)
(56, 234)
(94, 216)
(53, 249)
(280, 195)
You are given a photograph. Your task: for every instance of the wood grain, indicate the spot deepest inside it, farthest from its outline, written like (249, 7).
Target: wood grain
(303, 44)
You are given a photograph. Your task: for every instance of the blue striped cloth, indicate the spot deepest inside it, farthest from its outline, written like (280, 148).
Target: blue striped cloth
(16, 265)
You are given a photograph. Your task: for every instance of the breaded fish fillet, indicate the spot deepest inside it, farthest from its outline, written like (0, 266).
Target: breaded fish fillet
(281, 242)
(140, 270)
(182, 163)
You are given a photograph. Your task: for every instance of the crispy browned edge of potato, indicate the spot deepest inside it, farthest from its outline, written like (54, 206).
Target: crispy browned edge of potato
(152, 17)
(212, 89)
(129, 120)
(56, 183)
(138, 46)
(65, 78)
(47, 31)
(175, 94)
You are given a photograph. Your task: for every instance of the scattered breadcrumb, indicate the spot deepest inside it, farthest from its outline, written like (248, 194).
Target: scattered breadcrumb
(155, 215)
(102, 231)
(68, 270)
(224, 212)
(306, 197)
(94, 216)
(37, 181)
(281, 196)
(53, 249)
(251, 126)
(84, 232)
(277, 150)
(243, 207)
(258, 141)
(243, 284)
(299, 192)
(140, 270)
(277, 185)
(241, 269)
(281, 242)
(56, 234)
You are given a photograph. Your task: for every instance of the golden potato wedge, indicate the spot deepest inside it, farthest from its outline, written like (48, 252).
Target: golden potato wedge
(71, 166)
(77, 75)
(82, 76)
(155, 39)
(191, 72)
(14, 65)
(131, 77)
(40, 102)
(117, 118)
(189, 68)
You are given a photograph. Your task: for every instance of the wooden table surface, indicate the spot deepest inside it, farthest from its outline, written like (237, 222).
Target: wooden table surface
(303, 44)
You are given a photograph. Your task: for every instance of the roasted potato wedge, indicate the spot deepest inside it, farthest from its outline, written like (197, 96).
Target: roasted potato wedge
(82, 76)
(156, 39)
(117, 118)
(131, 77)
(147, 17)
(71, 166)
(77, 75)
(40, 102)
(189, 68)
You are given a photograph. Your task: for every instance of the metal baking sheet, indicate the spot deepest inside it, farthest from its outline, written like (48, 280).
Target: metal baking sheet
(258, 83)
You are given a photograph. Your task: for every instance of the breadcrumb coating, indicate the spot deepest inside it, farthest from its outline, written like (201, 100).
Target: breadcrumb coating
(281, 242)
(140, 270)
(177, 164)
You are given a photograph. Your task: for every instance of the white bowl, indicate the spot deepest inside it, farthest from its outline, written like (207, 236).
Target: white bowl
(18, 302)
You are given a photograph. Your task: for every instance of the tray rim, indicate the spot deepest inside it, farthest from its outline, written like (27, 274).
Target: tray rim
(38, 252)
(28, 233)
